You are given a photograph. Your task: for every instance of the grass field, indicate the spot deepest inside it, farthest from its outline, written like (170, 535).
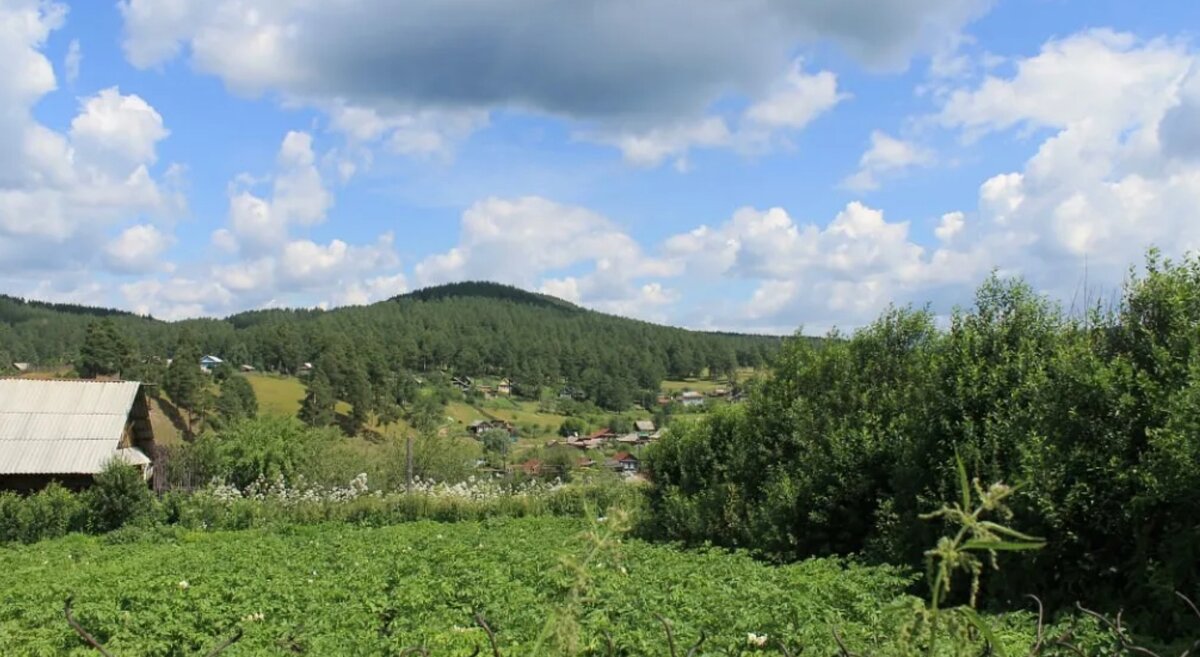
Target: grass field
(277, 395)
(698, 385)
(341, 590)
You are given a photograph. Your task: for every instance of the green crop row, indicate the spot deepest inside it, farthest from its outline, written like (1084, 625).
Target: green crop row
(343, 590)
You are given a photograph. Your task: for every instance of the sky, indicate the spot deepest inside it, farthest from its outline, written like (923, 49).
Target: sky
(754, 165)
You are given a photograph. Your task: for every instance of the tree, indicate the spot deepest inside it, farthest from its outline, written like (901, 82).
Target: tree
(571, 426)
(105, 352)
(496, 442)
(184, 382)
(620, 424)
(358, 394)
(426, 414)
(118, 497)
(318, 407)
(237, 400)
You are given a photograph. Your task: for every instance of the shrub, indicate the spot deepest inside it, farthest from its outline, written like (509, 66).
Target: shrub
(1093, 419)
(118, 497)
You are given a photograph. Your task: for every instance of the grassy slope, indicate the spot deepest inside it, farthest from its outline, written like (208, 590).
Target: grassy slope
(339, 590)
(277, 395)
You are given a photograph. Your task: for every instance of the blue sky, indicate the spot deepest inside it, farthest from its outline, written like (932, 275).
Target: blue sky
(755, 166)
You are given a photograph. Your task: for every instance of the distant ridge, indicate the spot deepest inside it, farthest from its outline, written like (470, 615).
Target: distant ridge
(67, 308)
(488, 290)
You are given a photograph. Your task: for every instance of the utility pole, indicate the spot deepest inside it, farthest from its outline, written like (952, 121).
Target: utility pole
(408, 457)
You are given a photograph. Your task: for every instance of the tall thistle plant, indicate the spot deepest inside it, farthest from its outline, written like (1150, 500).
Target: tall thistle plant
(976, 543)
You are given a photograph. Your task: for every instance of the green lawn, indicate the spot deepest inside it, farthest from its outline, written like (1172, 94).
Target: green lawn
(277, 395)
(698, 385)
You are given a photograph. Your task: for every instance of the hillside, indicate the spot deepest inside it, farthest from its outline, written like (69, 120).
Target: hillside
(461, 329)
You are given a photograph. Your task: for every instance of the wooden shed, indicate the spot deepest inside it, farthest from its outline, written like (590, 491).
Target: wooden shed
(68, 431)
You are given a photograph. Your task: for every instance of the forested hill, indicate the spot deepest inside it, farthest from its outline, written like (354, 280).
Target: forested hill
(466, 328)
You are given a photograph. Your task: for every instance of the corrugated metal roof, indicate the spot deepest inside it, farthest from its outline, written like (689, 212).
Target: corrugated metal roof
(63, 427)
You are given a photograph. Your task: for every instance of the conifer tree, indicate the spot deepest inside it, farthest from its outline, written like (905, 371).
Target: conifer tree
(317, 410)
(105, 352)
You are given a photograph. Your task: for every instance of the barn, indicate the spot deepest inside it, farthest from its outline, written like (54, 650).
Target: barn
(67, 431)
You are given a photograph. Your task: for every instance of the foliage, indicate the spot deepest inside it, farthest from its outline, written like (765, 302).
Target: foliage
(572, 426)
(317, 409)
(237, 400)
(263, 447)
(473, 329)
(327, 590)
(184, 382)
(496, 442)
(1093, 419)
(119, 496)
(50, 513)
(105, 352)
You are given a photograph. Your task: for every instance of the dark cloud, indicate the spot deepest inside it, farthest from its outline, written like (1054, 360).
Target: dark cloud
(599, 60)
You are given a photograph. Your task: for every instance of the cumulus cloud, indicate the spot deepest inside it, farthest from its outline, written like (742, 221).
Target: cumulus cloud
(138, 249)
(262, 257)
(62, 193)
(886, 155)
(1109, 181)
(568, 251)
(299, 197)
(72, 61)
(791, 103)
(583, 59)
(640, 75)
(840, 273)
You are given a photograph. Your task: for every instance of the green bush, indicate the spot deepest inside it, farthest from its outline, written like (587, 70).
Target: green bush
(1094, 419)
(119, 496)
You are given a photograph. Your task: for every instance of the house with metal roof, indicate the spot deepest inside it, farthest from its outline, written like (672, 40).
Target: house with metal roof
(68, 431)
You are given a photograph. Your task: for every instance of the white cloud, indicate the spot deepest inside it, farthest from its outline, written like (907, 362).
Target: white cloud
(1100, 77)
(651, 147)
(61, 193)
(566, 250)
(842, 273)
(951, 224)
(790, 104)
(886, 155)
(1104, 185)
(138, 249)
(370, 291)
(796, 99)
(426, 133)
(72, 60)
(111, 124)
(299, 198)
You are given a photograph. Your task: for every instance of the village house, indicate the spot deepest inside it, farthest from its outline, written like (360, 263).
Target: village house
(644, 428)
(68, 431)
(602, 434)
(691, 398)
(21, 367)
(463, 383)
(247, 368)
(504, 387)
(624, 462)
(480, 427)
(210, 363)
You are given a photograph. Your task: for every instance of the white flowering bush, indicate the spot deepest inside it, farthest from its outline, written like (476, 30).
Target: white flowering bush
(279, 501)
